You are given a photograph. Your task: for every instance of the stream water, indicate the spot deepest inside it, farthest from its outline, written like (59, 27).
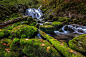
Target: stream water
(67, 32)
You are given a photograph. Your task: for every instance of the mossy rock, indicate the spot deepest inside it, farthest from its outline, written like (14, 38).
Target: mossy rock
(47, 23)
(38, 48)
(4, 33)
(15, 45)
(78, 43)
(47, 28)
(23, 31)
(5, 50)
(57, 25)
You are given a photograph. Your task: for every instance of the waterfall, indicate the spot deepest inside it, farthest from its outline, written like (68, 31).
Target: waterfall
(35, 13)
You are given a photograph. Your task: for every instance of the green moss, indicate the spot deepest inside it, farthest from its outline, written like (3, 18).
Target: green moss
(3, 52)
(78, 43)
(65, 50)
(4, 33)
(46, 23)
(47, 28)
(61, 19)
(23, 31)
(34, 48)
(10, 27)
(56, 23)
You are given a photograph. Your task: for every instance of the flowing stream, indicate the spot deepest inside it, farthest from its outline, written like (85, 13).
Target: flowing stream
(67, 32)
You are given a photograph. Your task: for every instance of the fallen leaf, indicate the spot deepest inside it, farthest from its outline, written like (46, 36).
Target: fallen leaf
(0, 29)
(44, 41)
(43, 44)
(8, 51)
(48, 47)
(47, 50)
(7, 44)
(4, 44)
(85, 37)
(71, 50)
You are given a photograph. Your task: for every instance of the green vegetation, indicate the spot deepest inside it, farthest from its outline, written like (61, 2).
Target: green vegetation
(4, 33)
(46, 23)
(78, 43)
(23, 31)
(65, 50)
(5, 50)
(39, 46)
(56, 23)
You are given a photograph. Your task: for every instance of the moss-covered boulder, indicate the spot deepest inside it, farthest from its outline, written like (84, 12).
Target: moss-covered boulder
(47, 28)
(38, 48)
(47, 23)
(23, 31)
(78, 43)
(5, 50)
(4, 33)
(57, 25)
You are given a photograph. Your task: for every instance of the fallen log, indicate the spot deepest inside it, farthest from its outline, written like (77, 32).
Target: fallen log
(61, 47)
(13, 21)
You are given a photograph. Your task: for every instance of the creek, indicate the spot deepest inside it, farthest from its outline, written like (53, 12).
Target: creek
(66, 33)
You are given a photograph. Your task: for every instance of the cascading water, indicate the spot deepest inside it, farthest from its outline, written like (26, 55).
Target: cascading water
(73, 28)
(35, 13)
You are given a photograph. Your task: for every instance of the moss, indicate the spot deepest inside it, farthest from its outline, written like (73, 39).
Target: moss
(4, 33)
(47, 28)
(5, 44)
(78, 43)
(46, 23)
(61, 19)
(10, 27)
(65, 50)
(23, 31)
(56, 23)
(35, 48)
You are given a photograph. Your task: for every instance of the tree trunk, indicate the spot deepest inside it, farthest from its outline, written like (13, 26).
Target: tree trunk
(13, 21)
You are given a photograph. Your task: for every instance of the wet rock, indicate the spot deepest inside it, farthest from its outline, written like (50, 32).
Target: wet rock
(57, 25)
(47, 28)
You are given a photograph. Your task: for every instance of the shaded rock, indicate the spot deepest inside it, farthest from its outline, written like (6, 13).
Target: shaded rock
(47, 28)
(78, 43)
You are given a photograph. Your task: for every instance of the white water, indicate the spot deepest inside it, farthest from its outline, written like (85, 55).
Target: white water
(35, 13)
(77, 29)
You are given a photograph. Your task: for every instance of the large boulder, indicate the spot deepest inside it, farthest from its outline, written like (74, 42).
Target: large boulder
(78, 43)
(57, 25)
(38, 48)
(47, 28)
(22, 31)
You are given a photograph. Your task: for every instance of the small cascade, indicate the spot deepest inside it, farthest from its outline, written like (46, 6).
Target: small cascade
(35, 13)
(73, 28)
